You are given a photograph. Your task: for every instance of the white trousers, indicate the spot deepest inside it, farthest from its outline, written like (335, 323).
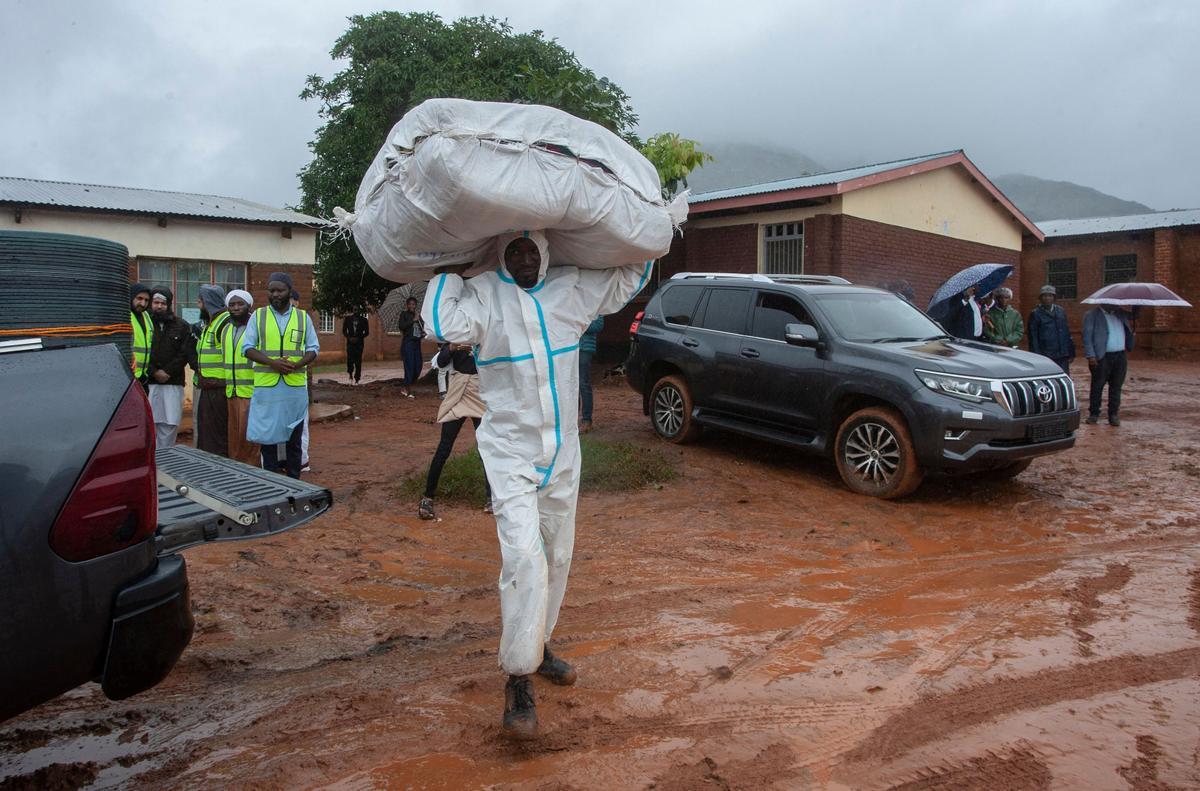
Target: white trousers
(536, 528)
(164, 435)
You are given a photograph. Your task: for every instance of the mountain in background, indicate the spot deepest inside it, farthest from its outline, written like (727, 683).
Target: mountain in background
(740, 164)
(1041, 200)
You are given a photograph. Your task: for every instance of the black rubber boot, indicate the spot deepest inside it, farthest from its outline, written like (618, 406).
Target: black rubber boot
(556, 669)
(520, 712)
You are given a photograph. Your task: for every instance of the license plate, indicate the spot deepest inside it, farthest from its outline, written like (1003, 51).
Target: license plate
(1044, 432)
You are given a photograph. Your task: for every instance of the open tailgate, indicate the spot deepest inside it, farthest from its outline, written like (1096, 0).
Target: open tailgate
(203, 498)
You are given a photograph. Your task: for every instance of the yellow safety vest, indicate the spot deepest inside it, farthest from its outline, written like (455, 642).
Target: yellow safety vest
(239, 373)
(289, 346)
(143, 339)
(209, 361)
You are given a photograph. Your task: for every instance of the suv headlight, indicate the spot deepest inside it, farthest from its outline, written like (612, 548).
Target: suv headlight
(967, 388)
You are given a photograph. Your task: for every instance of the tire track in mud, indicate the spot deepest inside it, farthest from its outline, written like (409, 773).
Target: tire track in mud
(1194, 599)
(1142, 772)
(935, 718)
(1084, 596)
(1018, 770)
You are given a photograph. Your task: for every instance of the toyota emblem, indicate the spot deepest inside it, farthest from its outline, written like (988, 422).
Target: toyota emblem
(1045, 394)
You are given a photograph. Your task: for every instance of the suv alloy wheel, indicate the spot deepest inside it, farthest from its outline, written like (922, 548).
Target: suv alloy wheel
(875, 454)
(671, 410)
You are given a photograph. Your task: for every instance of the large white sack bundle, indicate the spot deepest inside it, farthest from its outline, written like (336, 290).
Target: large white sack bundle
(453, 174)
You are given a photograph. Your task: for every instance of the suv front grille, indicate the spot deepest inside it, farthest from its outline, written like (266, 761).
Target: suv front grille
(1024, 397)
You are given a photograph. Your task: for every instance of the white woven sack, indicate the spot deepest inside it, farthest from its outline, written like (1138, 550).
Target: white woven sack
(454, 174)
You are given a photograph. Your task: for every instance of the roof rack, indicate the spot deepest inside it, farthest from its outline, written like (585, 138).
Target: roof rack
(831, 280)
(712, 275)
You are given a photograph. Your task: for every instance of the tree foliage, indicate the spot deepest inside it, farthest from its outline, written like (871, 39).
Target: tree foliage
(674, 157)
(393, 62)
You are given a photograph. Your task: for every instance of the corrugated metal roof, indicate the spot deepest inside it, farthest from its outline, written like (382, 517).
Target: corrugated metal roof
(1129, 222)
(814, 180)
(68, 195)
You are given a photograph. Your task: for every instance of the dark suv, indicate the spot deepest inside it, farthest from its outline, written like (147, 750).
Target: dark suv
(829, 367)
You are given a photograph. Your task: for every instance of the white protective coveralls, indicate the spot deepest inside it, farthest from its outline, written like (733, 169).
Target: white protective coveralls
(528, 358)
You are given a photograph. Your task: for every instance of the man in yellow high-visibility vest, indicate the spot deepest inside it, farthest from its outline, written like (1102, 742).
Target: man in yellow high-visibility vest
(211, 426)
(239, 377)
(143, 332)
(281, 342)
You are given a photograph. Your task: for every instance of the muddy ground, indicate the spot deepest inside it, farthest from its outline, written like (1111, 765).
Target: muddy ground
(751, 625)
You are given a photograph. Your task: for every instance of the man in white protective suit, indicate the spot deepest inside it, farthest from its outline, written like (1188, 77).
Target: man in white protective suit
(525, 320)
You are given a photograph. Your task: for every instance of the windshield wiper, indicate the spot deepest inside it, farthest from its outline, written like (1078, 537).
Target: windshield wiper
(939, 338)
(896, 340)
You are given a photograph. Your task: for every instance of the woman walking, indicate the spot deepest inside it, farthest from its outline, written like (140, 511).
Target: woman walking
(413, 327)
(462, 401)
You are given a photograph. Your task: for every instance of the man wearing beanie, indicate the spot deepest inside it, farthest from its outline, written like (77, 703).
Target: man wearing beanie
(212, 413)
(280, 342)
(168, 355)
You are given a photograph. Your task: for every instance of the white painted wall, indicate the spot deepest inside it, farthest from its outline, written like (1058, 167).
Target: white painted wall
(204, 241)
(944, 201)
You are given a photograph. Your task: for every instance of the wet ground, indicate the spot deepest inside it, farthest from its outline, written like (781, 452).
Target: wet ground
(752, 625)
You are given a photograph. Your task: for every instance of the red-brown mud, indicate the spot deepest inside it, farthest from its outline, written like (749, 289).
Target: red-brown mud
(751, 625)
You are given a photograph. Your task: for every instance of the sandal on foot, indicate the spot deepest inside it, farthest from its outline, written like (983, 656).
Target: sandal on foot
(425, 509)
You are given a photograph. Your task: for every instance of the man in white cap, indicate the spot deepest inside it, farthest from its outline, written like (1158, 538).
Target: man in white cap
(526, 321)
(239, 377)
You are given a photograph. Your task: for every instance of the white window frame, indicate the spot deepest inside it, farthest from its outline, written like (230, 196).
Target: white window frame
(791, 233)
(322, 317)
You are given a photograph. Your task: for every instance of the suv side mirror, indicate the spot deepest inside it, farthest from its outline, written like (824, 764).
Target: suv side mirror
(801, 335)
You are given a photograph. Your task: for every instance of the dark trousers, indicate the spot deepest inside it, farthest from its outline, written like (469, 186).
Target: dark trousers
(354, 353)
(585, 386)
(450, 431)
(410, 352)
(270, 455)
(212, 421)
(1110, 370)
(1064, 363)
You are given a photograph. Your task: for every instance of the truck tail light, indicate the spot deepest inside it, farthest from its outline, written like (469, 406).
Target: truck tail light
(637, 320)
(114, 504)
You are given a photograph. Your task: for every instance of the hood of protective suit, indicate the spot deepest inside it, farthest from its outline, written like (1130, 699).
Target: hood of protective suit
(538, 238)
(213, 298)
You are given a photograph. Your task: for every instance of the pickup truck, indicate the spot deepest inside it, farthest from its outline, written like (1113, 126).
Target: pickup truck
(92, 522)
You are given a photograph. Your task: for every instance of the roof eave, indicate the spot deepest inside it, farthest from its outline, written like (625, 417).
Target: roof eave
(315, 224)
(766, 199)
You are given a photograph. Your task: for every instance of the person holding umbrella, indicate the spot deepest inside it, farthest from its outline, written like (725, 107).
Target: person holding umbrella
(1049, 334)
(413, 327)
(956, 304)
(1108, 335)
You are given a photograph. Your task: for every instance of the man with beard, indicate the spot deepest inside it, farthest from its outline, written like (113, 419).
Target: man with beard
(168, 354)
(143, 332)
(212, 418)
(525, 320)
(281, 343)
(239, 377)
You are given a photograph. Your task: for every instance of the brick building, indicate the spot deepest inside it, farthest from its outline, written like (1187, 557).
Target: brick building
(1080, 256)
(183, 240)
(919, 219)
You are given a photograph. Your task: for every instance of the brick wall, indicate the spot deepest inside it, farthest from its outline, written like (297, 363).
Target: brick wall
(1170, 256)
(871, 253)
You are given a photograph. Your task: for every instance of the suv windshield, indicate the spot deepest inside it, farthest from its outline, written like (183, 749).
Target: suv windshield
(870, 317)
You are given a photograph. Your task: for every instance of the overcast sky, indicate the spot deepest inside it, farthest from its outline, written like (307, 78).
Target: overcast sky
(203, 96)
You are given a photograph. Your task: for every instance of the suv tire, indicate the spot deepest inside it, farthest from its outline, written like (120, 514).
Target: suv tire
(671, 410)
(875, 454)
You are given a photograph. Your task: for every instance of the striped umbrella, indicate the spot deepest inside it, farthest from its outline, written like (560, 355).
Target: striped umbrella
(1145, 294)
(393, 306)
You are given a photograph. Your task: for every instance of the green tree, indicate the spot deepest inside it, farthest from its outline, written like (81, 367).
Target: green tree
(674, 157)
(396, 61)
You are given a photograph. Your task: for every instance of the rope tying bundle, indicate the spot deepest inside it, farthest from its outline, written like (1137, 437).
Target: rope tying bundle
(81, 331)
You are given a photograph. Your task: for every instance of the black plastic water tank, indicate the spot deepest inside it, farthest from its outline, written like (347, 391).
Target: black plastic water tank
(55, 280)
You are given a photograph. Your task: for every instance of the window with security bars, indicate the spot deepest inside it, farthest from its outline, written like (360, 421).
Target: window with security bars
(1061, 273)
(184, 278)
(1120, 268)
(325, 325)
(783, 248)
